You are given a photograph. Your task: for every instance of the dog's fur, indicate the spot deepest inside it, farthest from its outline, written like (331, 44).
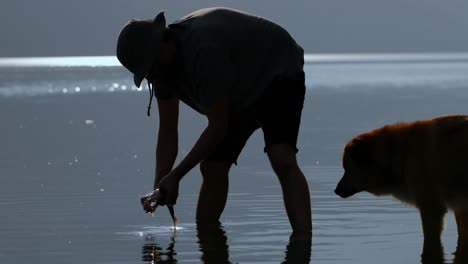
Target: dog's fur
(422, 163)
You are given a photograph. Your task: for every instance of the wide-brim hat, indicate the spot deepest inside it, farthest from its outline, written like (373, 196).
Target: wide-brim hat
(137, 44)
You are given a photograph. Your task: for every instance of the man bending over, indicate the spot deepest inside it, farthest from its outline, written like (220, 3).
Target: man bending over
(243, 73)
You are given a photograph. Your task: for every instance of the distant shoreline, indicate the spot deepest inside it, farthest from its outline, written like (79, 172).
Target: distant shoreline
(111, 61)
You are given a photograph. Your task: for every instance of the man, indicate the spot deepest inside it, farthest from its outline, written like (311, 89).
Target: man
(242, 72)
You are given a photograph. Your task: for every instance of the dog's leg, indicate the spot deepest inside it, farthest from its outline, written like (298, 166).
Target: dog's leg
(432, 224)
(461, 216)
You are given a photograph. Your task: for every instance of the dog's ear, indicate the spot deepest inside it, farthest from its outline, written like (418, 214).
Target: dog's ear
(359, 150)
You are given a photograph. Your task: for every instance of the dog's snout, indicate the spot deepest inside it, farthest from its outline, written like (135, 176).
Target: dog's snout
(344, 191)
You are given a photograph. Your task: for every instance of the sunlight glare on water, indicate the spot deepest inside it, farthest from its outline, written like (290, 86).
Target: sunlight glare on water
(151, 231)
(47, 76)
(79, 61)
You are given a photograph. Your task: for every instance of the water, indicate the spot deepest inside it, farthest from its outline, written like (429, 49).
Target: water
(77, 151)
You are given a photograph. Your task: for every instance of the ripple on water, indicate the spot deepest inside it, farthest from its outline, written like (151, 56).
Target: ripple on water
(151, 231)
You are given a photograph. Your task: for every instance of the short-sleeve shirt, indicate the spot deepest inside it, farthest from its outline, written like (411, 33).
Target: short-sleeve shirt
(227, 52)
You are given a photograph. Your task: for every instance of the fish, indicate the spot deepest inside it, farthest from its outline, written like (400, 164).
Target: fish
(150, 203)
(175, 220)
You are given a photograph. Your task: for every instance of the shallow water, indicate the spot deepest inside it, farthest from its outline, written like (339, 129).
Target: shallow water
(74, 164)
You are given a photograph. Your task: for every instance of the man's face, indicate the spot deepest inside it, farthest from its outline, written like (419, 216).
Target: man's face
(165, 67)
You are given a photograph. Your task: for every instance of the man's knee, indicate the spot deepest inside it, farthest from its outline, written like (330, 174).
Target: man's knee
(282, 158)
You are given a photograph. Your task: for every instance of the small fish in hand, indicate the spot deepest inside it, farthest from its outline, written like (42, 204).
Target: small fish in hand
(150, 203)
(174, 218)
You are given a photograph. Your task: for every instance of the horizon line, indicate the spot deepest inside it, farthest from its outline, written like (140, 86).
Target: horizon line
(112, 61)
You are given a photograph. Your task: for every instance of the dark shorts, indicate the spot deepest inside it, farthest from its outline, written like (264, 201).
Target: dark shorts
(277, 113)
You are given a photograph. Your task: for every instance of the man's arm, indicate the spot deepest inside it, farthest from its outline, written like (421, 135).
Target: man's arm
(167, 143)
(208, 141)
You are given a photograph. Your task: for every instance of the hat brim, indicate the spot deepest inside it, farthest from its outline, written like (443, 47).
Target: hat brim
(138, 79)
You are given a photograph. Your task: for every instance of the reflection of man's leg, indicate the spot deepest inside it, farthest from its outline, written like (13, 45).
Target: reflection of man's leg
(213, 192)
(212, 241)
(294, 186)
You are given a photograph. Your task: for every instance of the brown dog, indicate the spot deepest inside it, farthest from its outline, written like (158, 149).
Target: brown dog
(423, 163)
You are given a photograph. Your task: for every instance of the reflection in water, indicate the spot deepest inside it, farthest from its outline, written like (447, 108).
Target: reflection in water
(213, 245)
(433, 252)
(298, 251)
(153, 253)
(214, 248)
(461, 255)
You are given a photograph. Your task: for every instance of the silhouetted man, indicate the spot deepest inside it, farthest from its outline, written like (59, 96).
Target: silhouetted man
(242, 72)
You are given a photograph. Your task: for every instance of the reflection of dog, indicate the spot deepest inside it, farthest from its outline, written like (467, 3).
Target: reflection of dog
(423, 163)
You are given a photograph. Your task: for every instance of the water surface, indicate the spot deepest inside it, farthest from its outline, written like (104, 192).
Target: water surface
(78, 151)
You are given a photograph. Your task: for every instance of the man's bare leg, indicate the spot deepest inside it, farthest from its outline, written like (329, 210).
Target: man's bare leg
(213, 192)
(295, 189)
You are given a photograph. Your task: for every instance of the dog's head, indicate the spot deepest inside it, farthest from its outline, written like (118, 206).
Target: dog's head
(367, 167)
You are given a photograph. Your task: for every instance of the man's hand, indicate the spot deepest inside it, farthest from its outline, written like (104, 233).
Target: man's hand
(149, 201)
(169, 189)
(208, 141)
